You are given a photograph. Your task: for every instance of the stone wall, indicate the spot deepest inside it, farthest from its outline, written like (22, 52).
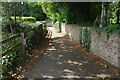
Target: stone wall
(106, 49)
(72, 30)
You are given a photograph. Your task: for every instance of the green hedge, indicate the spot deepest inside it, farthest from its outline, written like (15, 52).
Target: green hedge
(29, 19)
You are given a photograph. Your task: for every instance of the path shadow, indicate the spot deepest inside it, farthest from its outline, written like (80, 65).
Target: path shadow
(63, 60)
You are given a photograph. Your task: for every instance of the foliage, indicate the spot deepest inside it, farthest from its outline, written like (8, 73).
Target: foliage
(18, 27)
(58, 25)
(29, 25)
(9, 62)
(85, 38)
(80, 42)
(14, 57)
(29, 19)
(38, 35)
(110, 28)
(26, 9)
(71, 13)
(18, 18)
(56, 11)
(112, 11)
(95, 10)
(36, 11)
(111, 22)
(10, 28)
(6, 24)
(8, 8)
(82, 14)
(50, 9)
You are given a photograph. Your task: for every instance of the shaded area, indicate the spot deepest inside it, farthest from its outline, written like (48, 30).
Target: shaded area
(31, 59)
(65, 60)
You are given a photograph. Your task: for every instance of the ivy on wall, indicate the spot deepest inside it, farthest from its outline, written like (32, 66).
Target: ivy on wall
(109, 29)
(58, 25)
(85, 38)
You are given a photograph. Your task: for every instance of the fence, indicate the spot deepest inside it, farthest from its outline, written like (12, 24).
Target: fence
(22, 42)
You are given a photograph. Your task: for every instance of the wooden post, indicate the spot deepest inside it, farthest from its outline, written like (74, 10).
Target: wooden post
(14, 14)
(37, 36)
(23, 43)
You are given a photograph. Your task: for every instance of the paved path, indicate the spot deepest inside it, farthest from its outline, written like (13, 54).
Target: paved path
(63, 60)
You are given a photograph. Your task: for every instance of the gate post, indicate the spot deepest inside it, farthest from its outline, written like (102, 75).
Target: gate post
(23, 43)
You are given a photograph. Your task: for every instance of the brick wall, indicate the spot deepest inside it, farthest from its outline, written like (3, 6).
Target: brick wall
(105, 48)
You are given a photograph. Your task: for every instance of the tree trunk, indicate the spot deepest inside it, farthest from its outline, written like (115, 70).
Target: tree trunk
(14, 14)
(103, 14)
(10, 24)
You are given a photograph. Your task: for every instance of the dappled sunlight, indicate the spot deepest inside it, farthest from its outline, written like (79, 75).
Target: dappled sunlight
(55, 34)
(59, 62)
(70, 47)
(103, 75)
(64, 60)
(90, 77)
(66, 50)
(74, 62)
(17, 76)
(60, 55)
(98, 76)
(84, 61)
(52, 48)
(57, 58)
(59, 40)
(47, 76)
(50, 44)
(64, 47)
(69, 71)
(69, 76)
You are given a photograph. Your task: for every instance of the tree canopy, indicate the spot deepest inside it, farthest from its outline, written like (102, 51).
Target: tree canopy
(84, 13)
(80, 13)
(71, 12)
(26, 9)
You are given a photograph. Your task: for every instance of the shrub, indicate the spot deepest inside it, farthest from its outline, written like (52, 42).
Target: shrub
(38, 34)
(29, 19)
(17, 18)
(6, 24)
(12, 60)
(110, 28)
